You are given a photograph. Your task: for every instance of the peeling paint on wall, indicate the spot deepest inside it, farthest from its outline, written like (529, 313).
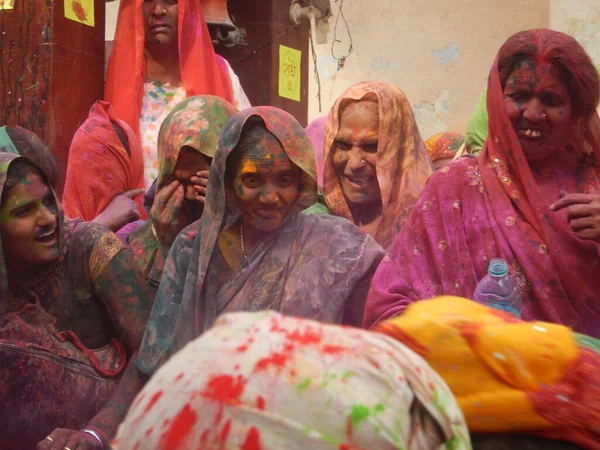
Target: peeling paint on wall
(327, 66)
(432, 118)
(447, 55)
(588, 35)
(389, 66)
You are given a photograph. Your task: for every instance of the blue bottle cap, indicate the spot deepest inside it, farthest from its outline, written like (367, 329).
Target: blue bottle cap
(498, 267)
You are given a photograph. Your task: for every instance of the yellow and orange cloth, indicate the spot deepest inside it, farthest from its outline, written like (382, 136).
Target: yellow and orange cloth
(508, 376)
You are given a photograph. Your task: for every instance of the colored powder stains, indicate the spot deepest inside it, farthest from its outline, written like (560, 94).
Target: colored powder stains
(225, 389)
(359, 414)
(252, 441)
(277, 360)
(349, 428)
(153, 401)
(180, 428)
(333, 349)
(225, 433)
(204, 437)
(179, 377)
(241, 348)
(149, 431)
(260, 402)
(379, 408)
(308, 337)
(304, 384)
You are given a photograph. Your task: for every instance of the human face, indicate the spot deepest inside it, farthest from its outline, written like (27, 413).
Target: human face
(29, 224)
(189, 163)
(160, 20)
(355, 153)
(266, 185)
(539, 107)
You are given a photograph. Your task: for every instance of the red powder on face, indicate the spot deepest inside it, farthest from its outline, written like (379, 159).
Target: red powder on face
(153, 401)
(252, 441)
(276, 359)
(260, 403)
(179, 430)
(225, 389)
(333, 349)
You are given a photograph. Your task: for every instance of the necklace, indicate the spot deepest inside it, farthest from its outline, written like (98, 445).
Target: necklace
(242, 241)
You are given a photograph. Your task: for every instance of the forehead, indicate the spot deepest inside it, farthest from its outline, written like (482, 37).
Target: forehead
(267, 154)
(360, 116)
(31, 185)
(542, 73)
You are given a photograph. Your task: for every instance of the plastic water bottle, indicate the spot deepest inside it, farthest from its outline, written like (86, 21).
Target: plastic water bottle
(499, 289)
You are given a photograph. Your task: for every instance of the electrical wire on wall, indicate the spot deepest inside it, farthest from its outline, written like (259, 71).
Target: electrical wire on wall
(341, 59)
(315, 67)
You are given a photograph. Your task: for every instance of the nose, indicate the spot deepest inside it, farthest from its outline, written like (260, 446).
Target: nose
(355, 161)
(46, 217)
(534, 110)
(268, 195)
(158, 8)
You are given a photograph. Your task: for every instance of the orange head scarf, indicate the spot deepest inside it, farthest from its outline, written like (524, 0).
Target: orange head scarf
(202, 72)
(403, 164)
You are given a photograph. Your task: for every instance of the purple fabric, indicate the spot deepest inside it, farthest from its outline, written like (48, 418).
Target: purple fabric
(316, 134)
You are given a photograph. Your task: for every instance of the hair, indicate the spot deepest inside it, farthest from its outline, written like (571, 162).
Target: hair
(576, 69)
(122, 137)
(253, 132)
(16, 172)
(369, 97)
(31, 146)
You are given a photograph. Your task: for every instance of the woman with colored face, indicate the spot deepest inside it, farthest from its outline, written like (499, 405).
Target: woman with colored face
(163, 54)
(72, 314)
(531, 197)
(252, 250)
(187, 143)
(375, 161)
(443, 148)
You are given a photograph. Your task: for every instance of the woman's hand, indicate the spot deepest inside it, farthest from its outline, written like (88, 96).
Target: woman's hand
(168, 214)
(121, 210)
(583, 214)
(199, 186)
(61, 439)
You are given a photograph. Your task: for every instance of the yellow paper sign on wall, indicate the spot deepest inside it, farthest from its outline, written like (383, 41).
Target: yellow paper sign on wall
(7, 4)
(289, 72)
(81, 11)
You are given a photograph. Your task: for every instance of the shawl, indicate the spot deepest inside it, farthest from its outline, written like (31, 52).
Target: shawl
(267, 381)
(96, 145)
(403, 164)
(475, 210)
(202, 72)
(507, 375)
(444, 145)
(316, 133)
(314, 266)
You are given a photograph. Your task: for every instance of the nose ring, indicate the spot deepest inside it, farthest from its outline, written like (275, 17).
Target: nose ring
(363, 162)
(543, 116)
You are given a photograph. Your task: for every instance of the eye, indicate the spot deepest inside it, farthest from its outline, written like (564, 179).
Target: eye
(341, 145)
(286, 180)
(23, 211)
(519, 97)
(251, 181)
(371, 147)
(549, 99)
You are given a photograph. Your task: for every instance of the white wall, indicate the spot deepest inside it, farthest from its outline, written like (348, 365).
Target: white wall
(580, 19)
(438, 52)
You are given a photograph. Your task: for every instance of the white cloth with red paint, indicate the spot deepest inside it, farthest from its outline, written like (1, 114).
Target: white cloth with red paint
(267, 381)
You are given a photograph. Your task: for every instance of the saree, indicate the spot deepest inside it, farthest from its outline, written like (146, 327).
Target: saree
(267, 381)
(316, 133)
(313, 266)
(475, 210)
(196, 122)
(403, 164)
(202, 72)
(444, 145)
(116, 169)
(508, 376)
(48, 378)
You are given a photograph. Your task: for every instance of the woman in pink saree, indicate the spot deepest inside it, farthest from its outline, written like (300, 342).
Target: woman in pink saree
(531, 197)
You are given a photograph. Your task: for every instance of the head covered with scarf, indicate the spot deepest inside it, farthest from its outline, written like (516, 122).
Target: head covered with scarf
(265, 380)
(109, 146)
(202, 72)
(281, 271)
(403, 164)
(508, 376)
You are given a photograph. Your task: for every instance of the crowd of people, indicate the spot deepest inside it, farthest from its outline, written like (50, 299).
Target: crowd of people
(217, 277)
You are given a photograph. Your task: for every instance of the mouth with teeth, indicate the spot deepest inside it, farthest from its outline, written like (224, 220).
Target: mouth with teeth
(361, 181)
(48, 237)
(531, 133)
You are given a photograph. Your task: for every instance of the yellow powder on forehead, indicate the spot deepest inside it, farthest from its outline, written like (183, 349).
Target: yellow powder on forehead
(248, 166)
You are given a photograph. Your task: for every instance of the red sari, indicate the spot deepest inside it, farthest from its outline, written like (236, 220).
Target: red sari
(474, 210)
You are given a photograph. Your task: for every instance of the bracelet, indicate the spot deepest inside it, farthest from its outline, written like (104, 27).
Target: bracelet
(93, 433)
